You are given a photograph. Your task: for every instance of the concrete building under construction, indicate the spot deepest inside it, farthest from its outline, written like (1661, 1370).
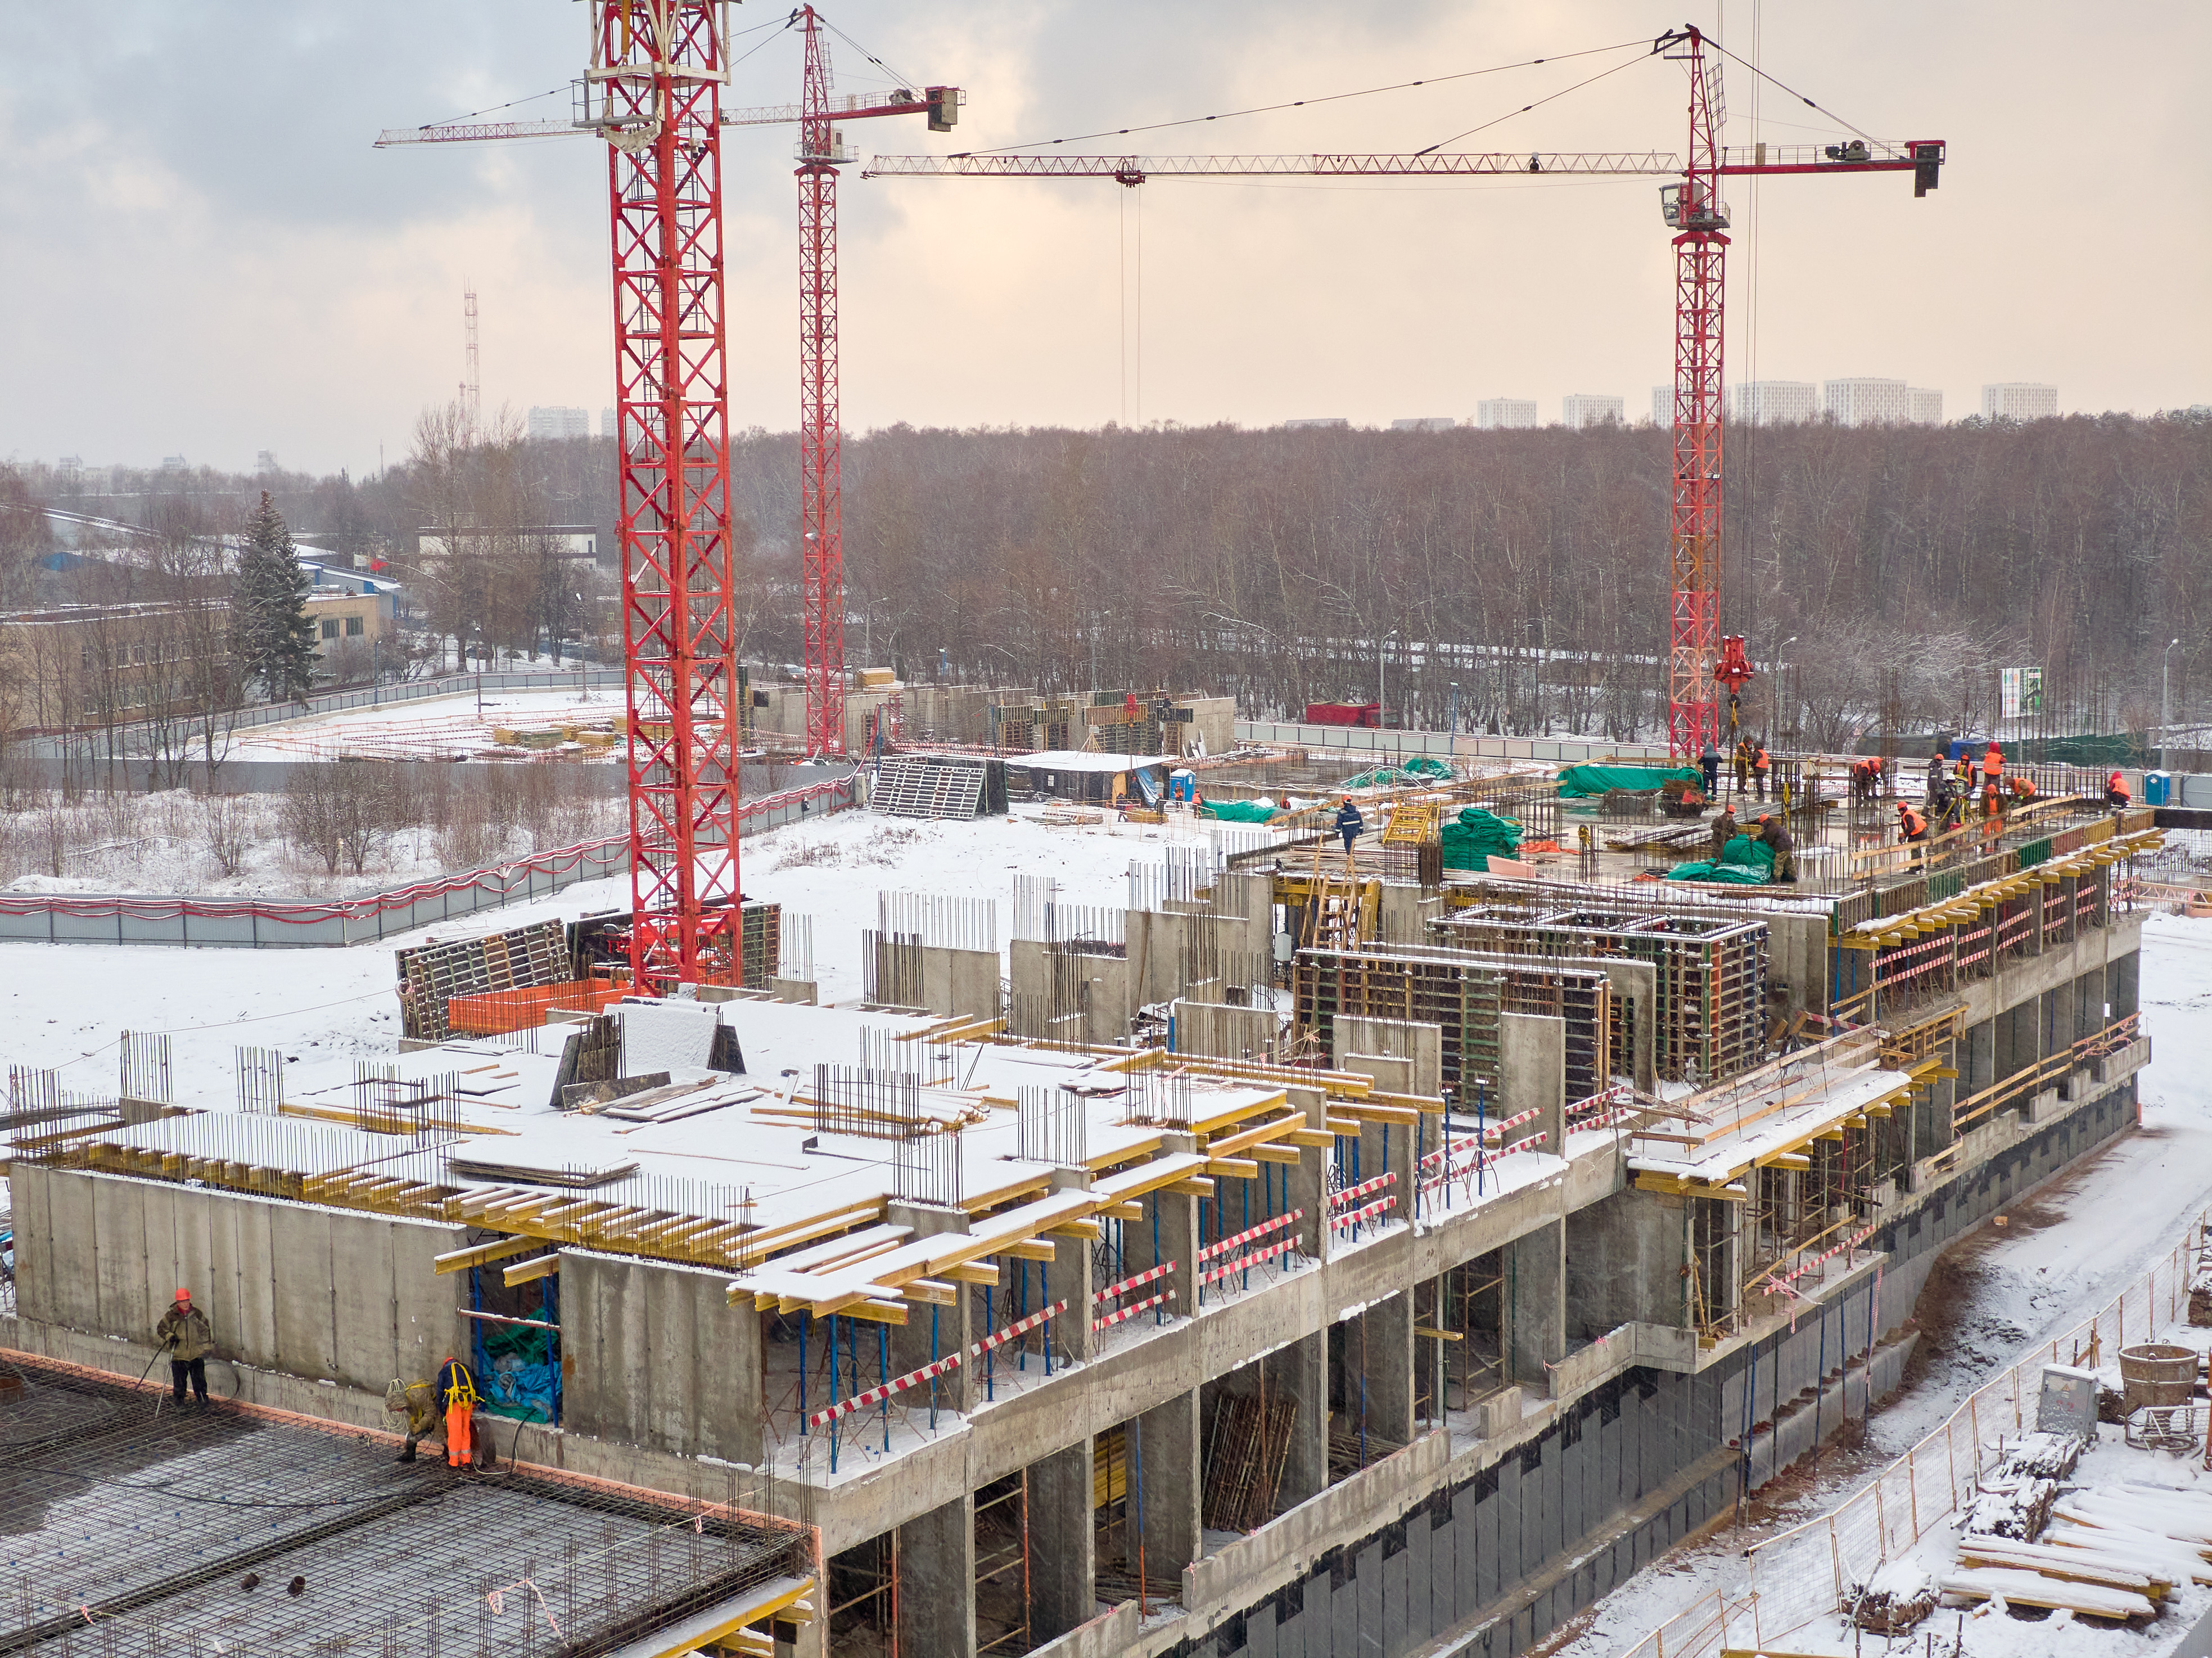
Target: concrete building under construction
(1319, 1254)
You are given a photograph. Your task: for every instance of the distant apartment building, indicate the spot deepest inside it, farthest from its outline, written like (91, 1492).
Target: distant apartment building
(2019, 400)
(1580, 409)
(1865, 402)
(555, 422)
(1494, 414)
(1424, 423)
(1923, 407)
(578, 541)
(607, 423)
(1773, 402)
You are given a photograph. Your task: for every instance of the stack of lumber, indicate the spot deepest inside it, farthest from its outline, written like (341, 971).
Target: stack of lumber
(2113, 1551)
(2014, 1499)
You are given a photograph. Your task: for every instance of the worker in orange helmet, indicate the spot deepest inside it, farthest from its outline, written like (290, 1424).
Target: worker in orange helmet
(2116, 791)
(1911, 827)
(1761, 766)
(1993, 765)
(457, 1391)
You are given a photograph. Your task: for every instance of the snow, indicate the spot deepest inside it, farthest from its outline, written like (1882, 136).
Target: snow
(430, 728)
(2069, 1248)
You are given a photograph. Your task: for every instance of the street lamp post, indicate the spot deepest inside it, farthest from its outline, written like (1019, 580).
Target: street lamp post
(1382, 662)
(1455, 708)
(2164, 700)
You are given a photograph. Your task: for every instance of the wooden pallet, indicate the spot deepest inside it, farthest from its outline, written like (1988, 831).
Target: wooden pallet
(923, 786)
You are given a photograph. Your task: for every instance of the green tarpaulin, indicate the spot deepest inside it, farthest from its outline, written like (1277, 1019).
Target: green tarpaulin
(1422, 766)
(1601, 779)
(1471, 839)
(1744, 861)
(1240, 811)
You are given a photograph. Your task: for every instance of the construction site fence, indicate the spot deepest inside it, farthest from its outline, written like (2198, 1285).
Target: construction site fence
(135, 738)
(1810, 1572)
(272, 923)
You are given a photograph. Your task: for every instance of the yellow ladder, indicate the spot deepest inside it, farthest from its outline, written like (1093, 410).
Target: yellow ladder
(1411, 823)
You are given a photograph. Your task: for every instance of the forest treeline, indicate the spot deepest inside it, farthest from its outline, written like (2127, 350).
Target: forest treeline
(1887, 568)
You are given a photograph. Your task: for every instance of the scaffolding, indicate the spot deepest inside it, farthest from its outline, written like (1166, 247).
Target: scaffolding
(1463, 994)
(1711, 975)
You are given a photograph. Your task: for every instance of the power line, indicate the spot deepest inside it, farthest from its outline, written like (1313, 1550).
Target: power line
(1301, 103)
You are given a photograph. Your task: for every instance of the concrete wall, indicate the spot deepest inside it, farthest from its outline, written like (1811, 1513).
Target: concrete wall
(321, 1293)
(652, 1354)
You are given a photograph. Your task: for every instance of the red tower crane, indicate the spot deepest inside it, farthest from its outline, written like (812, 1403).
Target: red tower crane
(1692, 208)
(653, 91)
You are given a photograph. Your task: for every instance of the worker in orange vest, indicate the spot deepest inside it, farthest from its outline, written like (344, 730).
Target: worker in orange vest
(1993, 765)
(1911, 827)
(1761, 766)
(2116, 791)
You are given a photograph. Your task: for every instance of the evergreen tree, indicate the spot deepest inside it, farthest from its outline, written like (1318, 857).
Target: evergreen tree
(270, 634)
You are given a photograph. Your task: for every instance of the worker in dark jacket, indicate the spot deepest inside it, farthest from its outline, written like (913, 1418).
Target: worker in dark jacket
(1349, 824)
(186, 1336)
(1776, 837)
(1709, 763)
(1938, 770)
(1724, 831)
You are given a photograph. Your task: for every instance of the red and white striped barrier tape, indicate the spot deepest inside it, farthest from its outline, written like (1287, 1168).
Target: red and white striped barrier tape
(1359, 1214)
(1112, 1319)
(1143, 1277)
(1230, 1269)
(1535, 1139)
(1352, 1194)
(938, 1368)
(1828, 1254)
(1224, 1245)
(1496, 1130)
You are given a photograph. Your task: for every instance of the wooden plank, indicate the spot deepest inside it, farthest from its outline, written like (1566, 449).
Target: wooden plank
(1274, 1154)
(544, 1266)
(460, 1261)
(1129, 1211)
(1198, 1188)
(875, 1311)
(1320, 1139)
(976, 1272)
(930, 1292)
(1233, 1168)
(1028, 1249)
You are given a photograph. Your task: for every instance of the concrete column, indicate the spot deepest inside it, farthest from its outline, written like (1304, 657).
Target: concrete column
(1533, 1064)
(1535, 1300)
(910, 1342)
(1072, 1335)
(1305, 1186)
(937, 1582)
(1386, 1367)
(1063, 1547)
(1389, 1146)
(1169, 1232)
(1166, 1444)
(1299, 1372)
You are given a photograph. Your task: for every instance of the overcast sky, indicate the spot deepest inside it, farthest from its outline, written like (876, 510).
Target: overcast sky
(203, 255)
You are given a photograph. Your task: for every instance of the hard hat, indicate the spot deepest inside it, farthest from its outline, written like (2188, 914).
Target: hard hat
(184, 1294)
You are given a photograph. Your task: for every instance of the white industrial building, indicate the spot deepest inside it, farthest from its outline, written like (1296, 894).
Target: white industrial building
(1580, 409)
(2019, 400)
(1865, 402)
(1495, 414)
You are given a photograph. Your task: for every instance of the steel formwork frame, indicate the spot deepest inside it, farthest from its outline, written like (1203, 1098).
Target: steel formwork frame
(662, 68)
(1693, 705)
(821, 504)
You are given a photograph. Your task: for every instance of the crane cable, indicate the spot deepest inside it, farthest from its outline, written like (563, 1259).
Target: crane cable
(1300, 103)
(1794, 93)
(1642, 55)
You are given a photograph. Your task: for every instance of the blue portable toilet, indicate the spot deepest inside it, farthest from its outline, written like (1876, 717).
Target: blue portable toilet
(2158, 788)
(1182, 785)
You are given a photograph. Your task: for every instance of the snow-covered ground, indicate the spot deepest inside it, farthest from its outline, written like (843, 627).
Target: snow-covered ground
(2066, 1250)
(62, 1005)
(432, 727)
(177, 842)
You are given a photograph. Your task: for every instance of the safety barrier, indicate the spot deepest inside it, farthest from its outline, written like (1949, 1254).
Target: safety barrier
(1806, 1573)
(275, 923)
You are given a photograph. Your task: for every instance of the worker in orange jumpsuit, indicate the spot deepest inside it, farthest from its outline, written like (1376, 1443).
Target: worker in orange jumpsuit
(457, 1391)
(1993, 765)
(2116, 791)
